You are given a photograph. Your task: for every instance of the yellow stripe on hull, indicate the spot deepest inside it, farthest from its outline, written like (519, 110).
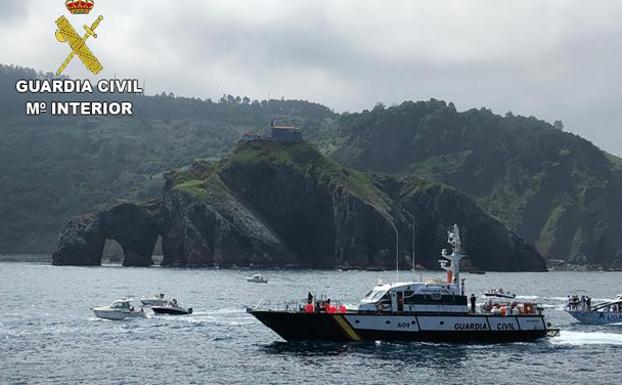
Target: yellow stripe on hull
(345, 326)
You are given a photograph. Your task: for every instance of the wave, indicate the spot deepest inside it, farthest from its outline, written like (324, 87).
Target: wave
(557, 298)
(527, 296)
(229, 310)
(587, 338)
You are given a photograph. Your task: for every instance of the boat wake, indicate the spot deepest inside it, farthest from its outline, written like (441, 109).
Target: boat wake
(587, 338)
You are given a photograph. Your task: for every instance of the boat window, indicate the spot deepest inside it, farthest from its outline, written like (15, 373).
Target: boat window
(374, 296)
(381, 295)
(386, 298)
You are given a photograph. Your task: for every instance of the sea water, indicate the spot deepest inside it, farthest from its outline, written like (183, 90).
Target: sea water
(49, 335)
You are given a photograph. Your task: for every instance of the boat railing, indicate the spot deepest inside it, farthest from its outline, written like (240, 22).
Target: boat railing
(293, 305)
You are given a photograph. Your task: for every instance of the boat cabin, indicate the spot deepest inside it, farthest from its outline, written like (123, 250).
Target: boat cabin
(120, 304)
(439, 296)
(414, 297)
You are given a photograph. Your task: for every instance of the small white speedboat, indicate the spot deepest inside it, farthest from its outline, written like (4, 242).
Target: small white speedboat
(156, 300)
(119, 310)
(257, 278)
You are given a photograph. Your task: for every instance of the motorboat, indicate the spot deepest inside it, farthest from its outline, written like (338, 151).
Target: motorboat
(156, 300)
(608, 312)
(499, 293)
(257, 278)
(171, 308)
(119, 310)
(435, 311)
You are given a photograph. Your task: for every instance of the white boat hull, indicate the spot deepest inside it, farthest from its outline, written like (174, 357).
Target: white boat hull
(596, 317)
(117, 315)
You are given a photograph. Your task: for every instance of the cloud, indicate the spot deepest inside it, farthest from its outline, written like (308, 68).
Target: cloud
(555, 60)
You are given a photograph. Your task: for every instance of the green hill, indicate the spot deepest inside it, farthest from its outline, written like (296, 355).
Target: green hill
(54, 168)
(554, 188)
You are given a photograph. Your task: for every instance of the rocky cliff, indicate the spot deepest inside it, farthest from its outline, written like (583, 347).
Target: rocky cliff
(276, 204)
(553, 188)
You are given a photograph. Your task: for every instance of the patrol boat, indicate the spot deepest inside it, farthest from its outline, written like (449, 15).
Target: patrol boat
(609, 312)
(411, 311)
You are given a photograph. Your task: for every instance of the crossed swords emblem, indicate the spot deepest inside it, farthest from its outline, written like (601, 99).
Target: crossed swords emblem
(66, 33)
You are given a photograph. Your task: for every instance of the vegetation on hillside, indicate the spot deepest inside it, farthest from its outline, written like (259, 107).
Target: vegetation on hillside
(307, 160)
(554, 188)
(55, 168)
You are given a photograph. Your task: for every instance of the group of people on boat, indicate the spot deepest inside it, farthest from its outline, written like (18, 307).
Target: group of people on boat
(575, 303)
(509, 308)
(496, 291)
(322, 306)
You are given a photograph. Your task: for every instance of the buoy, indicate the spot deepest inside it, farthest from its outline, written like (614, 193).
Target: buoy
(342, 309)
(309, 308)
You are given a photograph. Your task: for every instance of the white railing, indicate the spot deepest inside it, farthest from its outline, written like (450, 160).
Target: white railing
(293, 305)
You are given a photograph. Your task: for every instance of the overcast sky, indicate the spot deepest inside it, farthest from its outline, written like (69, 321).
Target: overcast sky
(553, 59)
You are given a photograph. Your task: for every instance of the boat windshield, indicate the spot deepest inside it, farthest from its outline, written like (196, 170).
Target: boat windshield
(373, 296)
(121, 305)
(608, 306)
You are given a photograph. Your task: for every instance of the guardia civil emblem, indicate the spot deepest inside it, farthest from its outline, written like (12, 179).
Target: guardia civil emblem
(66, 33)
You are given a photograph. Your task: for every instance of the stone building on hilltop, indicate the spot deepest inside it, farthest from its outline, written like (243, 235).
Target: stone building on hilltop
(277, 134)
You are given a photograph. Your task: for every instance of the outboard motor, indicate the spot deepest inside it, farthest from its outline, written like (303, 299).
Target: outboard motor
(189, 310)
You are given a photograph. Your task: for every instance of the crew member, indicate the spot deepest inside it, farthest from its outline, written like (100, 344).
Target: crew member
(472, 303)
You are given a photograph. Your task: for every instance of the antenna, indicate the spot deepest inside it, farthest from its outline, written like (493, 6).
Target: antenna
(413, 250)
(397, 254)
(451, 263)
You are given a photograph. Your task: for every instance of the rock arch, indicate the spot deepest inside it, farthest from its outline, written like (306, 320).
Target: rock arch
(135, 227)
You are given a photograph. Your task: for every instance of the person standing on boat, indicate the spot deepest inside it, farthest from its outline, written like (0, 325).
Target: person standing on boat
(309, 308)
(473, 303)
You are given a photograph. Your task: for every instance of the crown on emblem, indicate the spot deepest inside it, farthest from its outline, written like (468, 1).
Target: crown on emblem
(79, 7)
